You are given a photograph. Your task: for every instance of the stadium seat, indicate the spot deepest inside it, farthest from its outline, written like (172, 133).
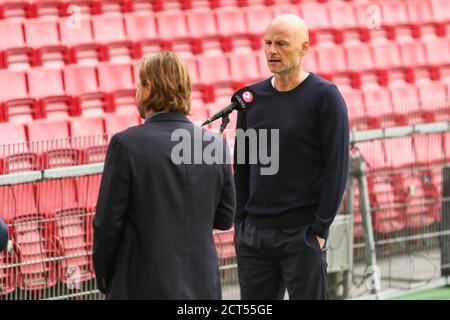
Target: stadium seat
(386, 218)
(412, 54)
(15, 105)
(399, 152)
(43, 35)
(244, 67)
(428, 148)
(213, 69)
(57, 199)
(283, 8)
(309, 61)
(258, 17)
(331, 59)
(359, 57)
(75, 32)
(109, 30)
(17, 10)
(13, 52)
(15, 155)
(48, 9)
(373, 153)
(201, 23)
(230, 21)
(11, 34)
(315, 15)
(140, 26)
(87, 189)
(433, 98)
(355, 105)
(386, 54)
(440, 10)
(46, 85)
(117, 80)
(342, 15)
(437, 51)
(419, 11)
(88, 137)
(118, 122)
(378, 107)
(50, 139)
(405, 103)
(172, 25)
(394, 12)
(81, 83)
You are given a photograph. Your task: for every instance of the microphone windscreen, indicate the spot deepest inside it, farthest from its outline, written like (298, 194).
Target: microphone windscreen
(244, 97)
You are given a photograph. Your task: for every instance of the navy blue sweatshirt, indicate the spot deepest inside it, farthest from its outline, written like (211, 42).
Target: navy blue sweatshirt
(313, 157)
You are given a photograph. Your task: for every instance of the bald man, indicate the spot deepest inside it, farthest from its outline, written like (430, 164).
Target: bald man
(282, 220)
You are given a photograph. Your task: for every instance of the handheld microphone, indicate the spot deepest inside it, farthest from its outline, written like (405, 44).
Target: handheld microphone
(241, 101)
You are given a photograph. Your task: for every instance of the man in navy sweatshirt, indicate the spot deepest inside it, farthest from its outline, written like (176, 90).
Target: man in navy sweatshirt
(282, 220)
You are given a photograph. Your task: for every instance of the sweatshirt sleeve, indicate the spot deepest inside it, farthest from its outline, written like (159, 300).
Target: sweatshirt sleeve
(334, 139)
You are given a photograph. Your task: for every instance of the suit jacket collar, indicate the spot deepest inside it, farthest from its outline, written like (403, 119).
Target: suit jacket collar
(168, 116)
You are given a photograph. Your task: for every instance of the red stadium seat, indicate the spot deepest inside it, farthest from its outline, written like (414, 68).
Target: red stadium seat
(46, 85)
(75, 32)
(48, 8)
(51, 141)
(433, 98)
(315, 15)
(140, 26)
(109, 30)
(412, 54)
(244, 67)
(88, 137)
(309, 61)
(342, 15)
(405, 102)
(43, 35)
(15, 155)
(359, 57)
(88, 188)
(172, 25)
(201, 23)
(81, 83)
(118, 122)
(428, 148)
(283, 8)
(258, 17)
(355, 105)
(17, 10)
(15, 105)
(331, 59)
(386, 54)
(437, 51)
(230, 21)
(12, 42)
(213, 69)
(11, 34)
(264, 71)
(419, 11)
(440, 10)
(373, 153)
(394, 12)
(117, 80)
(399, 152)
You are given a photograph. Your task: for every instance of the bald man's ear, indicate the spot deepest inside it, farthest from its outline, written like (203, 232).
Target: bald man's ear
(305, 47)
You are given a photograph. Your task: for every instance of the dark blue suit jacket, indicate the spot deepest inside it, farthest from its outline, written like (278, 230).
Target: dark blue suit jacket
(154, 219)
(3, 235)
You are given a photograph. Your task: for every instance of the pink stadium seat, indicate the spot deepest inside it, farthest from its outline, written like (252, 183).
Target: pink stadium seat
(386, 54)
(331, 59)
(193, 70)
(309, 62)
(428, 148)
(437, 51)
(244, 67)
(284, 8)
(88, 137)
(201, 23)
(419, 11)
(359, 57)
(117, 80)
(140, 26)
(51, 141)
(46, 85)
(258, 17)
(373, 153)
(118, 122)
(433, 98)
(213, 69)
(230, 21)
(109, 30)
(81, 83)
(88, 188)
(15, 155)
(440, 10)
(387, 218)
(264, 71)
(342, 15)
(15, 54)
(412, 54)
(48, 8)
(399, 152)
(394, 12)
(315, 15)
(172, 25)
(355, 105)
(405, 102)
(15, 10)
(74, 32)
(15, 105)
(11, 34)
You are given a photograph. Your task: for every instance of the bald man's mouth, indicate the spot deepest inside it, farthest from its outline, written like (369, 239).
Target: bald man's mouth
(274, 61)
